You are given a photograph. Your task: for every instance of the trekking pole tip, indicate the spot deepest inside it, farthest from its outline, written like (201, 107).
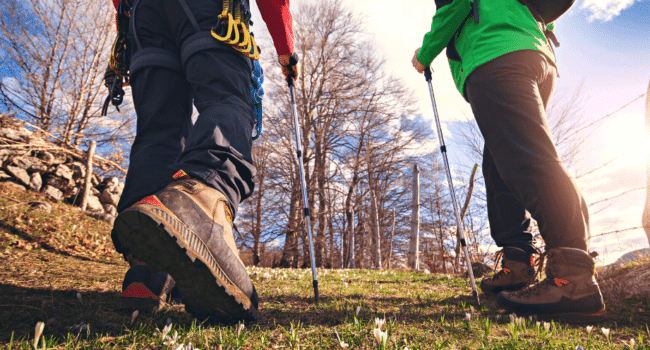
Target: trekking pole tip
(315, 283)
(478, 301)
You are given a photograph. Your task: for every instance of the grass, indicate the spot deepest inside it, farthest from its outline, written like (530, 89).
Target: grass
(48, 259)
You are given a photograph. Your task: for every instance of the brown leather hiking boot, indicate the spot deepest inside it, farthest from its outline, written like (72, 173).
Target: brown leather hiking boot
(517, 271)
(569, 292)
(186, 231)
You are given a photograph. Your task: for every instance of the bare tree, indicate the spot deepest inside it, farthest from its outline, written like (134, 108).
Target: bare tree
(55, 56)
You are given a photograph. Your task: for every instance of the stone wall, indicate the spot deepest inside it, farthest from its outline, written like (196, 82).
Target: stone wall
(30, 161)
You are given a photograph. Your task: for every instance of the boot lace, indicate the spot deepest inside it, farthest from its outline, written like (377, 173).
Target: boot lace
(536, 288)
(498, 258)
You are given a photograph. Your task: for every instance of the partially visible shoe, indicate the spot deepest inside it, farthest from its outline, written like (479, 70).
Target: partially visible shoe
(143, 290)
(186, 231)
(569, 292)
(517, 271)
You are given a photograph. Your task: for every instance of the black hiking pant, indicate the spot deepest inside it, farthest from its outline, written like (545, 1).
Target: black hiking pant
(217, 148)
(522, 169)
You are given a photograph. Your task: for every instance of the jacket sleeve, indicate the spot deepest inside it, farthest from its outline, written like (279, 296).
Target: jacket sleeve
(277, 16)
(450, 14)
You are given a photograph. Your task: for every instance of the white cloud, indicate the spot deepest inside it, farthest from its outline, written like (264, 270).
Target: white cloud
(605, 10)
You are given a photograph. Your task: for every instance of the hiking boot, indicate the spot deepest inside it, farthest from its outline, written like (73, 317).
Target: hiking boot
(143, 290)
(186, 231)
(517, 271)
(569, 292)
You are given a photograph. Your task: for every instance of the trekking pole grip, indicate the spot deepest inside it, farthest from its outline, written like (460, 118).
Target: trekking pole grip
(290, 80)
(427, 74)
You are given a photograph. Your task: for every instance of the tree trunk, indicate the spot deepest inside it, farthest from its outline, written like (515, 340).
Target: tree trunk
(375, 219)
(352, 263)
(392, 235)
(646, 210)
(414, 246)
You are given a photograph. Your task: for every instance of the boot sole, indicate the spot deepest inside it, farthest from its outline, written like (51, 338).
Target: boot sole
(570, 317)
(576, 317)
(164, 243)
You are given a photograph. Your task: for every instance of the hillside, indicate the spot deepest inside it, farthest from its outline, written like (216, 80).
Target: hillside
(50, 257)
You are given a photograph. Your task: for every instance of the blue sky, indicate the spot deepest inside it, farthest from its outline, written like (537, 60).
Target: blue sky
(605, 43)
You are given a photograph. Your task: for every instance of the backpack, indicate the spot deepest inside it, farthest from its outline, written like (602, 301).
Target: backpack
(548, 10)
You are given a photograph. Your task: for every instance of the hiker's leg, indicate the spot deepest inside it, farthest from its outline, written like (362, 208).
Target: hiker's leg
(510, 223)
(218, 148)
(163, 104)
(509, 97)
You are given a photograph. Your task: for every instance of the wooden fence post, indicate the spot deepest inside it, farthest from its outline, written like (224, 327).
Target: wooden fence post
(89, 175)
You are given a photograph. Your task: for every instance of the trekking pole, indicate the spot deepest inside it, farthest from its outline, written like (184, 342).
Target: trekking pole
(443, 149)
(294, 114)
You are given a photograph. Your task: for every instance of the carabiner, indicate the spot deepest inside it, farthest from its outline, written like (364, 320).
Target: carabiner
(244, 35)
(224, 33)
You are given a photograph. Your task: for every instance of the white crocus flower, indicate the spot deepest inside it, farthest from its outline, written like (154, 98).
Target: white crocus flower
(605, 332)
(380, 336)
(166, 329)
(240, 327)
(468, 316)
(37, 333)
(342, 344)
(134, 316)
(589, 329)
(547, 326)
(79, 298)
(358, 309)
(171, 341)
(379, 322)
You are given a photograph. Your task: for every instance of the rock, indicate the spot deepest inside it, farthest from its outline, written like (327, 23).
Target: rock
(4, 176)
(110, 209)
(480, 269)
(101, 216)
(53, 193)
(20, 135)
(60, 183)
(78, 170)
(19, 174)
(37, 141)
(109, 197)
(64, 172)
(36, 182)
(112, 183)
(95, 192)
(14, 186)
(5, 154)
(40, 207)
(30, 164)
(94, 204)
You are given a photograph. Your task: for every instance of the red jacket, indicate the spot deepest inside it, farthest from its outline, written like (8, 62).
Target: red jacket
(277, 16)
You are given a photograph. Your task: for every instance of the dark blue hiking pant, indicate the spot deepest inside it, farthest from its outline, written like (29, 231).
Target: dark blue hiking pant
(522, 169)
(217, 148)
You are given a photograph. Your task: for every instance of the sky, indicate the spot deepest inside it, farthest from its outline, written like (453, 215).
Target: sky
(604, 44)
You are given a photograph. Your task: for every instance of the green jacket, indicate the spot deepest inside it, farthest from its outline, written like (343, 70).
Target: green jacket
(504, 26)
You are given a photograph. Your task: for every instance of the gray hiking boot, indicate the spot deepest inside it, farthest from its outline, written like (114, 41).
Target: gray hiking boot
(517, 271)
(186, 231)
(569, 292)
